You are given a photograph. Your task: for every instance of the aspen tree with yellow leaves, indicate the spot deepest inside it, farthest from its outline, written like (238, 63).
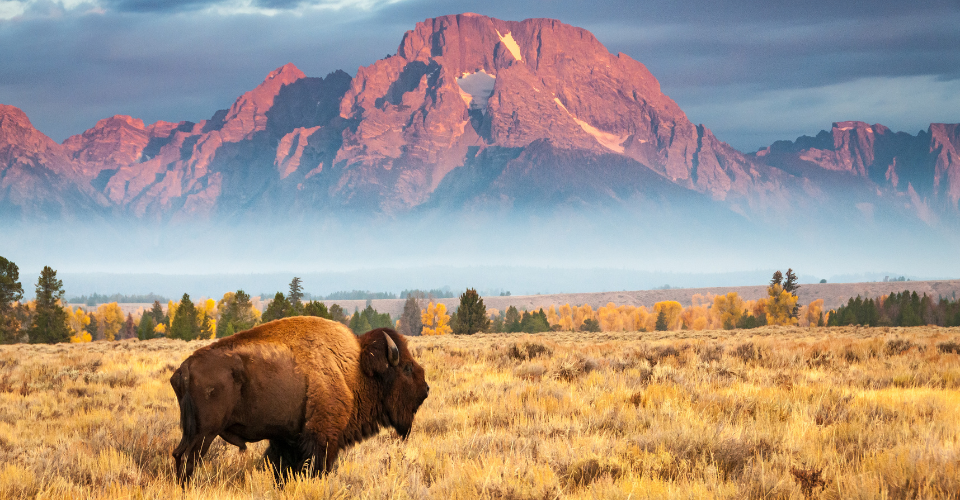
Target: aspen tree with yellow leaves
(435, 320)
(671, 310)
(566, 318)
(810, 314)
(780, 306)
(109, 320)
(78, 321)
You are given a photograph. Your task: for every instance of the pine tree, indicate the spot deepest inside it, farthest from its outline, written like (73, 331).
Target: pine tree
(145, 328)
(50, 321)
(157, 312)
(185, 325)
(790, 286)
(93, 328)
(777, 278)
(359, 323)
(661, 325)
(128, 331)
(592, 325)
(295, 298)
(277, 309)
(511, 321)
(318, 309)
(338, 314)
(411, 323)
(471, 315)
(10, 291)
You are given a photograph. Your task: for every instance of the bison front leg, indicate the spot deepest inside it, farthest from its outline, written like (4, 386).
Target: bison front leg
(283, 456)
(322, 451)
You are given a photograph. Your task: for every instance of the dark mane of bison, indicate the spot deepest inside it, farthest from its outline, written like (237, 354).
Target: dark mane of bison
(308, 385)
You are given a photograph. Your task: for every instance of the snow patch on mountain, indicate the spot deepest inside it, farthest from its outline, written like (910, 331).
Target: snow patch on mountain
(476, 89)
(610, 141)
(511, 45)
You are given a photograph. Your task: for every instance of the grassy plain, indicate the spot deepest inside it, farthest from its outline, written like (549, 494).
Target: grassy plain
(766, 413)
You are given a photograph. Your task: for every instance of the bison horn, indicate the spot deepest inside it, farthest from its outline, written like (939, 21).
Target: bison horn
(393, 354)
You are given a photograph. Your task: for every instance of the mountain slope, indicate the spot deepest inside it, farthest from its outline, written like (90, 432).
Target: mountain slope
(471, 113)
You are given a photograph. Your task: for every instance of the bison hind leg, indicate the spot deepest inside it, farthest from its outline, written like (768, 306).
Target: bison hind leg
(283, 457)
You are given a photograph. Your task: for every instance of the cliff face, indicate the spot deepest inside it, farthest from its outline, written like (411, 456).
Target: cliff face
(923, 170)
(470, 113)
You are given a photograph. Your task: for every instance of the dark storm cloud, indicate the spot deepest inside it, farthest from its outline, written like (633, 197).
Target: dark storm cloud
(792, 67)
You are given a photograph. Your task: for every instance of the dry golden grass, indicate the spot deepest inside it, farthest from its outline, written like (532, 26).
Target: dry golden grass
(766, 413)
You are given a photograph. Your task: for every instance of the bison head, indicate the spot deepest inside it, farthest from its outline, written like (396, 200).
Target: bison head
(386, 358)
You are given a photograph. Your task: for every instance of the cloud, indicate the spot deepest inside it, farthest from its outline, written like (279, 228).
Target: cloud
(750, 119)
(16, 9)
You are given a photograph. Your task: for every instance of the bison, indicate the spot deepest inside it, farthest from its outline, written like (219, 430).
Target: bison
(308, 385)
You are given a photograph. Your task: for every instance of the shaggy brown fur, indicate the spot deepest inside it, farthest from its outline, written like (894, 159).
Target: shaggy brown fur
(307, 384)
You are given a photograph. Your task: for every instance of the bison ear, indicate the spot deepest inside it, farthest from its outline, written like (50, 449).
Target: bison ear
(373, 358)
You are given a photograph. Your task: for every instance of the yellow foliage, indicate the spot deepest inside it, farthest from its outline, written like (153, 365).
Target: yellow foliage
(728, 309)
(566, 317)
(552, 317)
(435, 320)
(780, 306)
(172, 310)
(672, 310)
(696, 317)
(810, 314)
(160, 329)
(78, 321)
(110, 318)
(643, 320)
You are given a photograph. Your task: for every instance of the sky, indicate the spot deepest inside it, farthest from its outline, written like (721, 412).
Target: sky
(753, 71)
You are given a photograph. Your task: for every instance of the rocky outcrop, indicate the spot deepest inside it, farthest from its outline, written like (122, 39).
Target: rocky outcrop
(38, 179)
(923, 169)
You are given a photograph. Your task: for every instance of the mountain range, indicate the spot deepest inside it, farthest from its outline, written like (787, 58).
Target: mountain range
(471, 114)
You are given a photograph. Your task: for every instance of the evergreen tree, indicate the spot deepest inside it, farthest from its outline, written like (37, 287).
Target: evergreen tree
(790, 286)
(159, 318)
(592, 325)
(534, 322)
(411, 323)
(471, 315)
(93, 328)
(277, 309)
(318, 309)
(338, 314)
(376, 319)
(497, 325)
(236, 313)
(128, 331)
(511, 321)
(146, 326)
(10, 291)
(359, 323)
(295, 298)
(777, 278)
(185, 325)
(661, 325)
(50, 320)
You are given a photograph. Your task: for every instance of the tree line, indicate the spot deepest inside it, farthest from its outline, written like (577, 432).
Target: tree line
(897, 309)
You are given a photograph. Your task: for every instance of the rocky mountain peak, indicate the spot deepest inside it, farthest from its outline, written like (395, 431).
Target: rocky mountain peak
(248, 115)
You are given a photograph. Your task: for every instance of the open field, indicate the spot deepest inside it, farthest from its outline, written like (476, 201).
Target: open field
(773, 412)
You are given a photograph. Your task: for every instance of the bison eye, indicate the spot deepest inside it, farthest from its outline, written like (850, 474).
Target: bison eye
(408, 369)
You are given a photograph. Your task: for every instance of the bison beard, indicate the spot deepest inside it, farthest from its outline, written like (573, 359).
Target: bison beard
(308, 385)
